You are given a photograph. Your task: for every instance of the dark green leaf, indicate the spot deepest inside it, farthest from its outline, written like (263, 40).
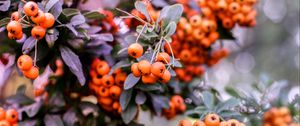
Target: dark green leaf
(51, 37)
(231, 91)
(171, 28)
(125, 98)
(152, 87)
(130, 81)
(73, 62)
(33, 109)
(70, 27)
(70, 117)
(93, 15)
(89, 108)
(4, 21)
(77, 20)
(129, 113)
(173, 13)
(28, 44)
(121, 64)
(19, 99)
(68, 12)
(230, 103)
(56, 10)
(21, 89)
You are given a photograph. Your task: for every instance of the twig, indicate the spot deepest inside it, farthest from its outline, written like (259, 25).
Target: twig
(171, 51)
(139, 35)
(138, 18)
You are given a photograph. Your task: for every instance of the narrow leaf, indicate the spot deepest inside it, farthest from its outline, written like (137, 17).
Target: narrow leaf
(93, 15)
(125, 98)
(141, 7)
(28, 44)
(140, 98)
(129, 113)
(208, 99)
(130, 81)
(50, 4)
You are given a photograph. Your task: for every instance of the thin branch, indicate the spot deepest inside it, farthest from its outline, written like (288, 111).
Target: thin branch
(139, 35)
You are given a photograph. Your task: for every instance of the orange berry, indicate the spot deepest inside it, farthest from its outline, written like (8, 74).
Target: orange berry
(15, 16)
(158, 69)
(234, 7)
(199, 123)
(38, 32)
(246, 9)
(105, 101)
(144, 67)
(185, 122)
(177, 101)
(166, 77)
(198, 34)
(163, 57)
(227, 23)
(134, 70)
(97, 79)
(120, 79)
(213, 36)
(116, 105)
(102, 68)
(49, 21)
(185, 55)
(207, 26)
(103, 91)
(224, 123)
(212, 120)
(149, 79)
(195, 20)
(14, 27)
(31, 8)
(39, 17)
(135, 50)
(115, 92)
(15, 36)
(233, 122)
(2, 114)
(24, 62)
(238, 18)
(4, 123)
(206, 11)
(12, 115)
(32, 73)
(222, 5)
(107, 80)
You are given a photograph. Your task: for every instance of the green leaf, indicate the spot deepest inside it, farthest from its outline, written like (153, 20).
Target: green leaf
(230, 103)
(141, 7)
(19, 99)
(208, 99)
(131, 81)
(121, 64)
(93, 15)
(21, 89)
(171, 28)
(77, 20)
(129, 113)
(171, 13)
(33, 109)
(125, 98)
(28, 44)
(68, 12)
(4, 21)
(231, 91)
(140, 98)
(73, 62)
(152, 87)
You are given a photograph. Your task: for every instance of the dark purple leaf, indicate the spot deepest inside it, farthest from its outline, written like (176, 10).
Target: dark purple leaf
(77, 20)
(104, 37)
(56, 9)
(28, 123)
(4, 5)
(28, 44)
(70, 27)
(33, 109)
(141, 7)
(130, 81)
(159, 103)
(73, 62)
(51, 37)
(50, 4)
(94, 29)
(140, 98)
(129, 113)
(125, 98)
(53, 120)
(122, 63)
(70, 117)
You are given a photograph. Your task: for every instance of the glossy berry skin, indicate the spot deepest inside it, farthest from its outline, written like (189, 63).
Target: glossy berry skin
(24, 63)
(144, 67)
(149, 79)
(15, 16)
(39, 17)
(102, 68)
(14, 27)
(16, 36)
(2, 114)
(38, 32)
(108, 81)
(195, 21)
(158, 69)
(32, 73)
(212, 120)
(185, 123)
(134, 70)
(12, 116)
(120, 78)
(4, 123)
(115, 92)
(166, 77)
(163, 57)
(49, 21)
(103, 91)
(31, 8)
(233, 122)
(199, 123)
(135, 50)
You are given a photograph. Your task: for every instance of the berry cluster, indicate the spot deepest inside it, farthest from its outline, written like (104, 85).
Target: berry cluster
(9, 117)
(212, 120)
(108, 22)
(108, 88)
(177, 106)
(42, 22)
(151, 73)
(277, 117)
(25, 64)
